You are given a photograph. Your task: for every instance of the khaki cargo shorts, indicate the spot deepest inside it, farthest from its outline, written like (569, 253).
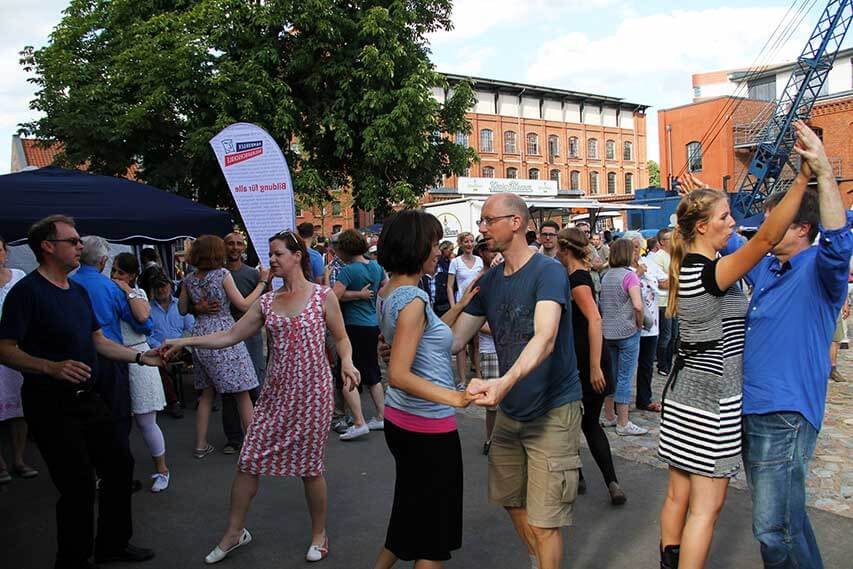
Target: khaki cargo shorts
(534, 465)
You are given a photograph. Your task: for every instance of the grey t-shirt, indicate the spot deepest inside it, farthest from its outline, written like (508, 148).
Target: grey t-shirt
(508, 303)
(246, 278)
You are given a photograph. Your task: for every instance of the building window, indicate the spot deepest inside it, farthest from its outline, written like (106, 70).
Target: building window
(694, 156)
(629, 183)
(512, 173)
(336, 229)
(554, 176)
(466, 172)
(488, 172)
(574, 147)
(510, 143)
(726, 181)
(574, 180)
(462, 139)
(553, 147)
(336, 207)
(627, 151)
(533, 174)
(610, 150)
(593, 182)
(611, 182)
(762, 89)
(487, 140)
(592, 149)
(533, 144)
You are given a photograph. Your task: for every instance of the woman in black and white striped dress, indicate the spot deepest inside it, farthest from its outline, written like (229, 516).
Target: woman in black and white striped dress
(700, 434)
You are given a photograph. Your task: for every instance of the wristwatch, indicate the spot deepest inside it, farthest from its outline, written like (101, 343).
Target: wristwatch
(138, 359)
(132, 296)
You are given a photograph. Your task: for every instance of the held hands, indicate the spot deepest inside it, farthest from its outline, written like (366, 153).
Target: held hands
(168, 350)
(205, 306)
(152, 358)
(350, 375)
(488, 393)
(811, 149)
(70, 370)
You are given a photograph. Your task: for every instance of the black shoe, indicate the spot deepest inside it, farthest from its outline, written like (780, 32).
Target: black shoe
(135, 487)
(486, 446)
(231, 448)
(174, 411)
(130, 554)
(669, 556)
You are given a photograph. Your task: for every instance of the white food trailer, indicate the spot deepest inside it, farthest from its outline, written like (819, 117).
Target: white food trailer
(461, 214)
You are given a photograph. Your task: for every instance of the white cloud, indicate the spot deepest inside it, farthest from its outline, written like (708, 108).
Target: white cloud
(470, 62)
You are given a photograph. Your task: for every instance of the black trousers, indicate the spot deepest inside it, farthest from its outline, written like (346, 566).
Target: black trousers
(645, 365)
(78, 436)
(231, 424)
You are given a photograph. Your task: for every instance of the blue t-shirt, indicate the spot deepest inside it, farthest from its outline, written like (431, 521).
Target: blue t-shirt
(508, 303)
(356, 276)
(432, 358)
(317, 264)
(51, 323)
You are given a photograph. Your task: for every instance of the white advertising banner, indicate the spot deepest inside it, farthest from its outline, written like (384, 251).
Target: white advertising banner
(259, 179)
(488, 186)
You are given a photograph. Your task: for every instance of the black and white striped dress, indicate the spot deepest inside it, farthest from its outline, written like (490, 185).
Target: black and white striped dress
(700, 426)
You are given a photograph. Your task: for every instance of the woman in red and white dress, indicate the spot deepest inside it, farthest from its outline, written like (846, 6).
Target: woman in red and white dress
(290, 424)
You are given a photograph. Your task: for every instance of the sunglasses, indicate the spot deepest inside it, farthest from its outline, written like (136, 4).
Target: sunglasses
(288, 233)
(73, 241)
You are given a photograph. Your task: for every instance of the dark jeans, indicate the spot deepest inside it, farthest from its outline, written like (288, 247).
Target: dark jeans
(77, 437)
(231, 424)
(777, 448)
(596, 439)
(645, 369)
(666, 341)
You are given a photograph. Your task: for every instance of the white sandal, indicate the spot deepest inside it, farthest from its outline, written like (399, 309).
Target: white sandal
(318, 552)
(218, 555)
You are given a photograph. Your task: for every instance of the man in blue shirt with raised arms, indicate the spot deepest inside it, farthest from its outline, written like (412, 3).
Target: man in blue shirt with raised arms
(536, 436)
(797, 294)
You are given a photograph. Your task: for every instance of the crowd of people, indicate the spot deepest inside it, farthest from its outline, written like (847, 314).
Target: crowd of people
(554, 335)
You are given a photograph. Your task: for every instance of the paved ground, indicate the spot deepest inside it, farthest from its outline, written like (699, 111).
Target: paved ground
(185, 522)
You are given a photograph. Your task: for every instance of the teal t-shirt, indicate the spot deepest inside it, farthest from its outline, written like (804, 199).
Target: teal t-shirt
(356, 276)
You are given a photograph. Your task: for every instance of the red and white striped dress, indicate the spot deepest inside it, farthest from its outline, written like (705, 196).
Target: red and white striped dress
(290, 425)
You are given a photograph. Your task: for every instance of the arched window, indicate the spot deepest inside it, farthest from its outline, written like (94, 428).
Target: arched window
(574, 180)
(488, 172)
(554, 176)
(593, 182)
(487, 140)
(610, 150)
(533, 143)
(629, 183)
(512, 173)
(462, 139)
(627, 151)
(533, 174)
(592, 149)
(553, 147)
(574, 147)
(611, 182)
(694, 156)
(510, 143)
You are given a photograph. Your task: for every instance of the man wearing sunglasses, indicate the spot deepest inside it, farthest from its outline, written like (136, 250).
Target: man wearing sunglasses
(548, 238)
(50, 333)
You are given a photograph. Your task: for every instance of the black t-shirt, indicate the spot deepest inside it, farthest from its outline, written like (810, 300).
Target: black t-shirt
(581, 336)
(51, 323)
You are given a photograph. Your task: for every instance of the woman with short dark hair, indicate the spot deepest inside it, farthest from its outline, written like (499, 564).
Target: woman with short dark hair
(420, 420)
(228, 370)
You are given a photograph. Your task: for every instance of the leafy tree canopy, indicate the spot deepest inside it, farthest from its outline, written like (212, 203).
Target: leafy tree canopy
(150, 82)
(654, 173)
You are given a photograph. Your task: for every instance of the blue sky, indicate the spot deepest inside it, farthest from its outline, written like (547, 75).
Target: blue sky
(644, 52)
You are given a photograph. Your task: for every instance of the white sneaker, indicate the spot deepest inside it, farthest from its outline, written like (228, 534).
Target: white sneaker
(161, 481)
(630, 430)
(605, 422)
(354, 432)
(375, 424)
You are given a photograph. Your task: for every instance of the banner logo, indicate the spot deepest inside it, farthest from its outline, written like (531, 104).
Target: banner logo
(242, 151)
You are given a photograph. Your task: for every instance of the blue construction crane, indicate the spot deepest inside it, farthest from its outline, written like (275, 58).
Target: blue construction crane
(775, 141)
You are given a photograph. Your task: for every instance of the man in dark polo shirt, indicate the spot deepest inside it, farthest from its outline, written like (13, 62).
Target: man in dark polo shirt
(49, 332)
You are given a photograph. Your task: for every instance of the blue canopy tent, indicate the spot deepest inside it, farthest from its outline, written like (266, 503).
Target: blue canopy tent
(120, 210)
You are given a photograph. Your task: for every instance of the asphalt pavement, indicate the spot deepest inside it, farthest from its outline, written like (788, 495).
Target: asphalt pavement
(185, 522)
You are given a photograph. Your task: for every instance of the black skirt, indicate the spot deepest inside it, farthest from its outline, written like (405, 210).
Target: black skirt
(426, 518)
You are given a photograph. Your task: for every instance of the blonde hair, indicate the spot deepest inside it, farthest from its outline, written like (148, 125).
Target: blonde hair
(461, 237)
(695, 207)
(575, 241)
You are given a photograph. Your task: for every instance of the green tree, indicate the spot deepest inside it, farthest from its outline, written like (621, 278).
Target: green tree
(654, 173)
(150, 82)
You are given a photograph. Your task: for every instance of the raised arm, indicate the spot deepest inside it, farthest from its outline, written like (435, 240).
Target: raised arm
(247, 326)
(546, 324)
(451, 315)
(464, 328)
(410, 326)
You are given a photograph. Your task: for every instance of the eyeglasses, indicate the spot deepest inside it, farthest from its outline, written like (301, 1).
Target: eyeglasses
(488, 221)
(548, 235)
(73, 241)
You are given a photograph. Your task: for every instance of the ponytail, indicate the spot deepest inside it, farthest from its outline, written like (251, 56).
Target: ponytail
(678, 250)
